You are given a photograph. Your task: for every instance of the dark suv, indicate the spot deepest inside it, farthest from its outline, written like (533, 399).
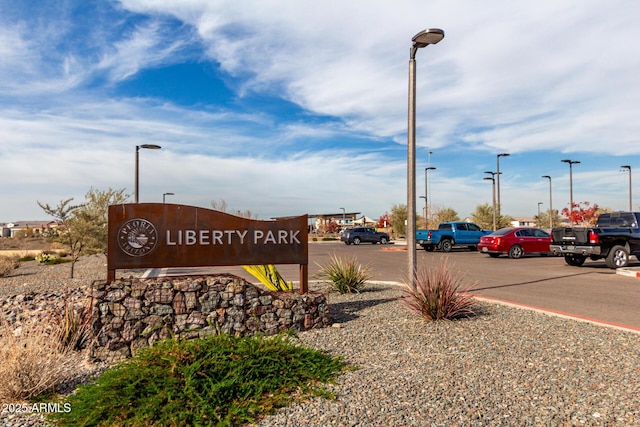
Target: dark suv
(364, 234)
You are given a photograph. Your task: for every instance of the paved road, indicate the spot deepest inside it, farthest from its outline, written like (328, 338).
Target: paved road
(593, 291)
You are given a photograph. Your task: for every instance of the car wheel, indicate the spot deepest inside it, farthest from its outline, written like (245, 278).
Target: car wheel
(383, 241)
(494, 255)
(618, 257)
(574, 260)
(446, 245)
(515, 252)
(356, 240)
(347, 243)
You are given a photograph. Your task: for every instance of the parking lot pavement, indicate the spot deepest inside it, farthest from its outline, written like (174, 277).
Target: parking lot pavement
(591, 292)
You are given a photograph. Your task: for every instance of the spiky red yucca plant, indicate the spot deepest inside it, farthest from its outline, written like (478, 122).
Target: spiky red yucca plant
(438, 294)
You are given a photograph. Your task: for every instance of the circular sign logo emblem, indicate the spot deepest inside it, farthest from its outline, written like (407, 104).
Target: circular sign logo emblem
(137, 237)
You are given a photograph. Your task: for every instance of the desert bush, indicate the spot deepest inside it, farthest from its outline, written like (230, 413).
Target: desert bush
(220, 380)
(7, 265)
(32, 363)
(44, 258)
(345, 275)
(438, 294)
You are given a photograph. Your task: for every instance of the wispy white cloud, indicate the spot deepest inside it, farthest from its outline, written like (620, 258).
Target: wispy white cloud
(554, 77)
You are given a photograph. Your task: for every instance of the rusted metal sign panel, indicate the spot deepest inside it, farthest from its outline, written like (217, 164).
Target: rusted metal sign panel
(154, 235)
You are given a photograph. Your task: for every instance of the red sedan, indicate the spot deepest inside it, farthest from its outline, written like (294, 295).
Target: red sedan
(515, 242)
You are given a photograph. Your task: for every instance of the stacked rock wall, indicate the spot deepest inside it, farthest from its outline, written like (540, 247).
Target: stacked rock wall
(133, 313)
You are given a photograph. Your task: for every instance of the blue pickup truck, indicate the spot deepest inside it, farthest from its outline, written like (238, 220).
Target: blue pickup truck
(615, 237)
(450, 234)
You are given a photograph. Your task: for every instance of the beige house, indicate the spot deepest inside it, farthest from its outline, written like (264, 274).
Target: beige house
(35, 228)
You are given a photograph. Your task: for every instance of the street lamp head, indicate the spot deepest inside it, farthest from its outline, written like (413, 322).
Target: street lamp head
(504, 155)
(489, 178)
(430, 168)
(150, 146)
(626, 167)
(546, 176)
(427, 37)
(571, 162)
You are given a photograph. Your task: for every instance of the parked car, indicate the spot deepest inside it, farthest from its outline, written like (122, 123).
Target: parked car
(515, 242)
(359, 235)
(614, 238)
(450, 234)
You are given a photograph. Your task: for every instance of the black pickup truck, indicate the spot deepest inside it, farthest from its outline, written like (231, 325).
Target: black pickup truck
(615, 237)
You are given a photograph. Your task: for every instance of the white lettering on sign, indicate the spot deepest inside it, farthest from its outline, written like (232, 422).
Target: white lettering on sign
(229, 237)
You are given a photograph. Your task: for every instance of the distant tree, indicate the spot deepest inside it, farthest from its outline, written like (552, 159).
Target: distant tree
(222, 206)
(398, 218)
(384, 221)
(219, 205)
(439, 215)
(84, 228)
(331, 227)
(542, 220)
(483, 216)
(94, 217)
(68, 231)
(582, 213)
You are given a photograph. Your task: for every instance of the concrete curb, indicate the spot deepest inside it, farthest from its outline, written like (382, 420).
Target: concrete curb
(629, 271)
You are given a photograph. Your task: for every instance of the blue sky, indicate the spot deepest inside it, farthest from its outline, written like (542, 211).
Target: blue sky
(285, 108)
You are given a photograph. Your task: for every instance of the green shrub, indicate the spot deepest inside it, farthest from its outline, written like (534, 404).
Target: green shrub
(26, 258)
(49, 258)
(7, 265)
(438, 294)
(44, 258)
(220, 380)
(328, 239)
(345, 275)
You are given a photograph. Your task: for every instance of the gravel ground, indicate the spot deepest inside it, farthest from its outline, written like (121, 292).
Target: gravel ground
(504, 367)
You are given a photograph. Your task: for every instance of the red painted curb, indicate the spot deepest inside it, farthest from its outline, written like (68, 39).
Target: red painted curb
(561, 314)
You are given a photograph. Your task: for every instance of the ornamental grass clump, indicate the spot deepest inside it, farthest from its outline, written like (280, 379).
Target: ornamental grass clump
(73, 325)
(438, 294)
(33, 363)
(344, 275)
(269, 276)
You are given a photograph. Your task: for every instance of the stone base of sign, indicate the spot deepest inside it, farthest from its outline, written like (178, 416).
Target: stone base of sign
(129, 314)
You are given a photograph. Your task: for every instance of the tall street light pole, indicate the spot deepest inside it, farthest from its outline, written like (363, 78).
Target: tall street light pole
(166, 194)
(571, 163)
(426, 195)
(420, 40)
(138, 147)
(343, 218)
(498, 173)
(493, 187)
(550, 202)
(628, 168)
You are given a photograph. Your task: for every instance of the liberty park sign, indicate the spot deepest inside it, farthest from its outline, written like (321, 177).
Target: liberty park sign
(157, 235)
